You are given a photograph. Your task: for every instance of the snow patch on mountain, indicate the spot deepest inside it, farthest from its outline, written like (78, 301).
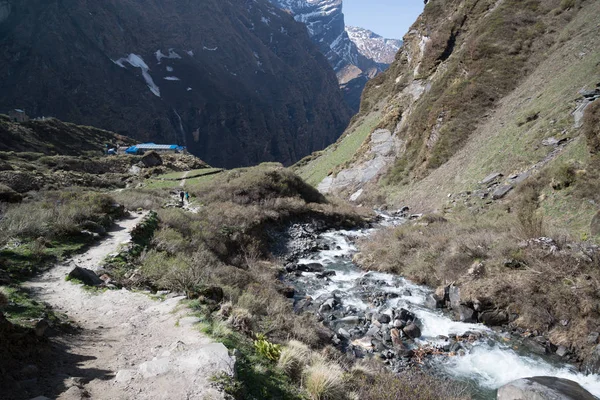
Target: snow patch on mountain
(138, 62)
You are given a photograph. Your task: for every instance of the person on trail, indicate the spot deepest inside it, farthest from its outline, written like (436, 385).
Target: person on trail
(181, 194)
(187, 197)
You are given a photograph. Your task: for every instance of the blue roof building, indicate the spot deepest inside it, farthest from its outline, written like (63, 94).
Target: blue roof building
(141, 148)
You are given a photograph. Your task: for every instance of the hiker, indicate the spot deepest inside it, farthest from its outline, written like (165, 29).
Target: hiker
(187, 197)
(181, 194)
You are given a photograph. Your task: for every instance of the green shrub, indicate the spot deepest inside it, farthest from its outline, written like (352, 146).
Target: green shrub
(270, 351)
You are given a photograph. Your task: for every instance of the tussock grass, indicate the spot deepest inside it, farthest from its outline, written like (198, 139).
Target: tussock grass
(294, 358)
(324, 381)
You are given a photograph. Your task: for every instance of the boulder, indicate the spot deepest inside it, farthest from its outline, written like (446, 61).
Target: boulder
(87, 276)
(152, 159)
(466, 314)
(543, 388)
(591, 364)
(501, 192)
(454, 297)
(396, 340)
(312, 267)
(384, 318)
(562, 351)
(491, 178)
(325, 274)
(328, 305)
(493, 317)
(412, 331)
(432, 301)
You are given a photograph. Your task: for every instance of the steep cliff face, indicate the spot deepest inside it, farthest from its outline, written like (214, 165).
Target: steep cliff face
(324, 20)
(237, 82)
(480, 86)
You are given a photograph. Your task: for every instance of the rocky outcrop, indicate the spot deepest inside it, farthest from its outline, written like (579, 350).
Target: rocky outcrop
(543, 388)
(236, 82)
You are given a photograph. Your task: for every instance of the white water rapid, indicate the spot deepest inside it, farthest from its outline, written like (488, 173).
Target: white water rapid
(488, 363)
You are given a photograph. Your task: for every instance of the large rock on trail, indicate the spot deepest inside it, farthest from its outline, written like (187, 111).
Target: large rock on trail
(543, 388)
(152, 159)
(87, 276)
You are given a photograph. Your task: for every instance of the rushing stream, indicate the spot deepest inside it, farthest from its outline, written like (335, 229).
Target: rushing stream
(484, 358)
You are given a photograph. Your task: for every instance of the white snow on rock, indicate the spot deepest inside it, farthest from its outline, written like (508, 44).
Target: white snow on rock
(138, 62)
(190, 53)
(373, 46)
(170, 69)
(210, 48)
(189, 89)
(172, 55)
(266, 21)
(171, 78)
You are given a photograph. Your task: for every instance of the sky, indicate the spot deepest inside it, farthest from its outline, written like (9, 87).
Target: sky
(388, 18)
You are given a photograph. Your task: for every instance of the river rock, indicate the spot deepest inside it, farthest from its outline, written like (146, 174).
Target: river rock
(454, 297)
(543, 388)
(466, 314)
(395, 335)
(405, 315)
(399, 324)
(325, 274)
(412, 331)
(87, 276)
(384, 318)
(328, 305)
(344, 333)
(562, 351)
(591, 364)
(312, 267)
(432, 301)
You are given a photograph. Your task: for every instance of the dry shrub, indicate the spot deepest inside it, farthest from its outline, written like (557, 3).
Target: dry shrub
(386, 386)
(591, 126)
(324, 381)
(55, 214)
(241, 320)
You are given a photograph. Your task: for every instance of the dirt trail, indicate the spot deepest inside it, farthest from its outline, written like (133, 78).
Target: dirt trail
(131, 346)
(183, 180)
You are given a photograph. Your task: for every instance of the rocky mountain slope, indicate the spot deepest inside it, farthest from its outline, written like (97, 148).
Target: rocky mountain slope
(237, 82)
(374, 46)
(354, 63)
(472, 92)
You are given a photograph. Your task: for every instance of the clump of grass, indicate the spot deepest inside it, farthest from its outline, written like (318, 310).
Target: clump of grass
(294, 358)
(324, 381)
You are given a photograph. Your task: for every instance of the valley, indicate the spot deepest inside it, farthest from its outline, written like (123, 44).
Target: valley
(444, 242)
